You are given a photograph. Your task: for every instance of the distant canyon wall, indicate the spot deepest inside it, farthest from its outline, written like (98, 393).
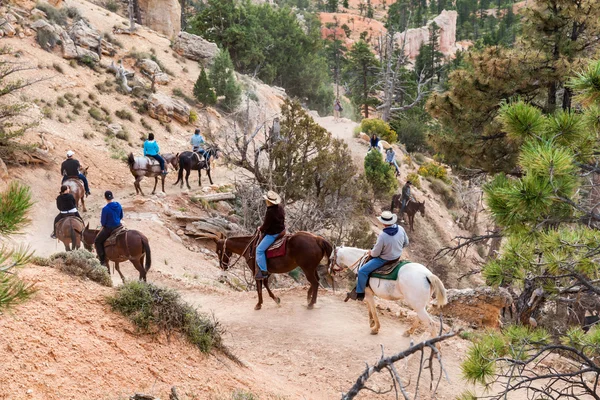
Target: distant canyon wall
(163, 16)
(417, 36)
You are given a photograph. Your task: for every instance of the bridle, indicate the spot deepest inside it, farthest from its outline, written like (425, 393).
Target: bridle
(333, 263)
(241, 255)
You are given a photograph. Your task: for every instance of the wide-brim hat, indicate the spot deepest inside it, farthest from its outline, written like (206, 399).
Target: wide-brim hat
(272, 197)
(70, 153)
(387, 218)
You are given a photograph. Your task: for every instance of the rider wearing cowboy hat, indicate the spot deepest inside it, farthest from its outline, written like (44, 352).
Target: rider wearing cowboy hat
(389, 246)
(273, 225)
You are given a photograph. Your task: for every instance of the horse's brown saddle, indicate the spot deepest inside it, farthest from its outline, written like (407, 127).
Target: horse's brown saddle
(112, 239)
(72, 215)
(278, 248)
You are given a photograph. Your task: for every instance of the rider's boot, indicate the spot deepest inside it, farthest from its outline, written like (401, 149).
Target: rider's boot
(261, 275)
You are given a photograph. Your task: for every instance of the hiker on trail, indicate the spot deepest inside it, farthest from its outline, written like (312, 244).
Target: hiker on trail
(337, 109)
(373, 143)
(406, 197)
(272, 227)
(197, 142)
(388, 248)
(70, 170)
(390, 158)
(67, 205)
(152, 150)
(112, 214)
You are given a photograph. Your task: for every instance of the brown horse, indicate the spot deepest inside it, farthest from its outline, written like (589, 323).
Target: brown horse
(144, 166)
(304, 250)
(77, 189)
(130, 246)
(69, 231)
(411, 209)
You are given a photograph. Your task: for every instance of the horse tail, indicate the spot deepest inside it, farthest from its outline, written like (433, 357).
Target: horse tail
(326, 247)
(130, 160)
(439, 290)
(180, 172)
(146, 246)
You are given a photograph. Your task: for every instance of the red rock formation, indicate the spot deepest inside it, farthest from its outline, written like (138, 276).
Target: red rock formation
(417, 36)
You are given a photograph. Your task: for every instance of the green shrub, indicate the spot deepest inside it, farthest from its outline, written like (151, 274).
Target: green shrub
(380, 128)
(193, 116)
(233, 94)
(81, 263)
(419, 158)
(153, 309)
(412, 133)
(435, 170)
(112, 5)
(415, 179)
(57, 15)
(124, 114)
(361, 235)
(61, 102)
(380, 175)
(96, 114)
(203, 91)
(445, 191)
(46, 39)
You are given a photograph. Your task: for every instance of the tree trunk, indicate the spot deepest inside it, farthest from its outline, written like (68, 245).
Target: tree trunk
(527, 304)
(366, 91)
(551, 104)
(494, 245)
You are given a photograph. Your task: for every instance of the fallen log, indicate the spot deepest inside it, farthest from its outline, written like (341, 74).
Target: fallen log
(217, 197)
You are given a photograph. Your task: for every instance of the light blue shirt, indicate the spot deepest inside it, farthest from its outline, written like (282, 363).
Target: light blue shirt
(151, 148)
(197, 141)
(389, 156)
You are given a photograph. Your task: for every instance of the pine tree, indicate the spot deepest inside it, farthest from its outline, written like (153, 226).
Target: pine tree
(362, 72)
(345, 4)
(232, 93)
(332, 6)
(202, 90)
(220, 71)
(380, 175)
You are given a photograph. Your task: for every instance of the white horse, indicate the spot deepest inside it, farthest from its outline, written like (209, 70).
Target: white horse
(415, 284)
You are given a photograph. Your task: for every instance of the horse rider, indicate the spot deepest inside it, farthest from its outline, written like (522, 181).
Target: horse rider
(390, 243)
(273, 225)
(152, 150)
(406, 196)
(373, 143)
(112, 214)
(67, 205)
(70, 169)
(390, 158)
(197, 142)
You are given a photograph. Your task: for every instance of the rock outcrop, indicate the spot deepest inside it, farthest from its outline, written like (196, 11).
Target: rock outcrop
(152, 69)
(415, 37)
(480, 307)
(195, 47)
(165, 108)
(163, 16)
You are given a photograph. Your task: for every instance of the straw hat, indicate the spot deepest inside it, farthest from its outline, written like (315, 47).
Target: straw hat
(272, 197)
(387, 218)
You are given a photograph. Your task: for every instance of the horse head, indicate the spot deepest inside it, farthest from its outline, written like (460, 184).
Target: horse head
(87, 237)
(333, 266)
(175, 162)
(84, 171)
(223, 253)
(421, 208)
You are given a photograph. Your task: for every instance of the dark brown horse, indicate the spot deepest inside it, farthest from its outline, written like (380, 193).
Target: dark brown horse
(188, 161)
(77, 189)
(69, 231)
(130, 246)
(304, 250)
(145, 166)
(411, 209)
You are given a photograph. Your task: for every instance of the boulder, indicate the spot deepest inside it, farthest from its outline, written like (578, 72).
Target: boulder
(163, 16)
(37, 13)
(480, 306)
(7, 28)
(71, 51)
(84, 35)
(114, 129)
(165, 108)
(42, 24)
(195, 47)
(152, 68)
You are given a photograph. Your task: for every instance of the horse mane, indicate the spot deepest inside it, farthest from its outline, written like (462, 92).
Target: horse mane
(130, 160)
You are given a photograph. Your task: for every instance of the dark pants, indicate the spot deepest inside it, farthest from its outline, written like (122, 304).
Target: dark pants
(161, 161)
(61, 216)
(100, 239)
(82, 178)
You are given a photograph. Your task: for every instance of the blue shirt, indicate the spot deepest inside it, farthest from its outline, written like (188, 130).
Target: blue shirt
(197, 141)
(389, 156)
(112, 214)
(151, 148)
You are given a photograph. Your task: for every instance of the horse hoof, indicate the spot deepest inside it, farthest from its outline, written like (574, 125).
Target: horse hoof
(310, 306)
(374, 332)
(277, 300)
(258, 307)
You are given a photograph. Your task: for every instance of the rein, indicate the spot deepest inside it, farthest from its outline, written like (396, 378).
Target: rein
(242, 254)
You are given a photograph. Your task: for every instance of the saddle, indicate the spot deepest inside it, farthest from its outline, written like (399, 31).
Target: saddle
(152, 162)
(112, 239)
(66, 216)
(278, 248)
(388, 271)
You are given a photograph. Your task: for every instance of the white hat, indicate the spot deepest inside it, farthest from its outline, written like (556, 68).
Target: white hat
(272, 197)
(387, 218)
(70, 153)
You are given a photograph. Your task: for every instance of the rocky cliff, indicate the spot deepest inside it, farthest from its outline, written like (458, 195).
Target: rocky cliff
(163, 16)
(414, 38)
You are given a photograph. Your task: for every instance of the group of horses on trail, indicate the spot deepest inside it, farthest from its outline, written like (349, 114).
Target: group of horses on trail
(141, 167)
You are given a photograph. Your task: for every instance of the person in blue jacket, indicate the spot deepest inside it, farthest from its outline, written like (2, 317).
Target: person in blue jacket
(112, 214)
(151, 149)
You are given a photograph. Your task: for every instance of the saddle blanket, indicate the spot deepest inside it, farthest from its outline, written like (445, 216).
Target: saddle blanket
(145, 163)
(389, 272)
(112, 239)
(278, 248)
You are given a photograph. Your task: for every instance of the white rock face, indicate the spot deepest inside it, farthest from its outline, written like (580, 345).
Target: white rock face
(163, 16)
(195, 47)
(417, 36)
(165, 108)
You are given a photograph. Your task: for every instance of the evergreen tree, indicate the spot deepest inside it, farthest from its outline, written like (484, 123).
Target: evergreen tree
(380, 175)
(332, 6)
(232, 93)
(202, 90)
(362, 73)
(220, 71)
(345, 4)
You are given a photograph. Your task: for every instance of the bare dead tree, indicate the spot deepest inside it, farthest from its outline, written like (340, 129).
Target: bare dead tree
(387, 364)
(464, 243)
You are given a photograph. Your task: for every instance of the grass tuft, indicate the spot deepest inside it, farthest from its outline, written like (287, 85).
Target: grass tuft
(81, 263)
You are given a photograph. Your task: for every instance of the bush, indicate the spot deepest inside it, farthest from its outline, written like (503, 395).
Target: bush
(412, 133)
(46, 39)
(220, 71)
(81, 263)
(57, 15)
(380, 128)
(233, 95)
(380, 175)
(435, 170)
(61, 102)
(124, 114)
(440, 187)
(415, 179)
(96, 114)
(193, 116)
(361, 235)
(202, 90)
(153, 309)
(112, 5)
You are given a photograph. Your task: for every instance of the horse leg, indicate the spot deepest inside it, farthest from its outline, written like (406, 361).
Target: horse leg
(373, 319)
(411, 220)
(199, 177)
(138, 187)
(187, 176)
(258, 305)
(119, 271)
(276, 299)
(83, 203)
(140, 267)
(163, 182)
(208, 173)
(155, 183)
(312, 290)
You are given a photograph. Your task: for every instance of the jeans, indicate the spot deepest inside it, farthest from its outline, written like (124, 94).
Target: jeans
(395, 164)
(365, 271)
(261, 250)
(403, 203)
(202, 152)
(160, 160)
(100, 239)
(82, 178)
(61, 216)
